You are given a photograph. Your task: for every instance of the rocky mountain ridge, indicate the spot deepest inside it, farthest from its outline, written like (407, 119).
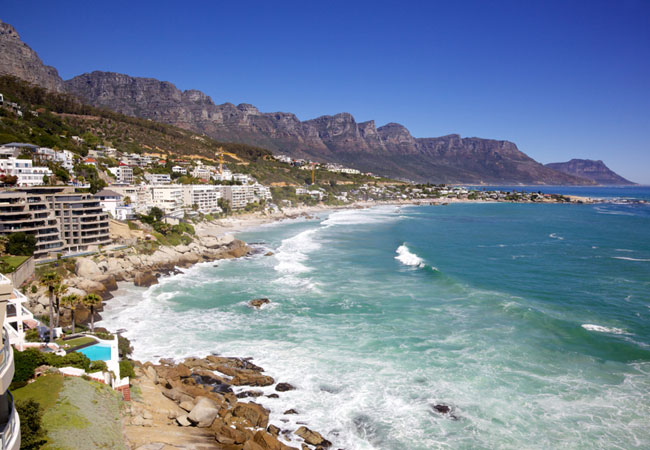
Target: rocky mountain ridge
(591, 170)
(388, 150)
(18, 59)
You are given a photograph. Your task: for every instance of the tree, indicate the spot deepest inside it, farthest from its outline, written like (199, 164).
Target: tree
(71, 301)
(32, 435)
(224, 205)
(21, 244)
(126, 200)
(92, 301)
(59, 290)
(51, 280)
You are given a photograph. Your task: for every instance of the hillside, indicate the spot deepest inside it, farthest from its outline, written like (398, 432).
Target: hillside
(52, 119)
(591, 170)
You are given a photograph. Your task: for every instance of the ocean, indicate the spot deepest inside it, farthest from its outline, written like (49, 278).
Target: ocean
(531, 321)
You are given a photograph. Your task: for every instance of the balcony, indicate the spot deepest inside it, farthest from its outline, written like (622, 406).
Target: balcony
(6, 360)
(10, 429)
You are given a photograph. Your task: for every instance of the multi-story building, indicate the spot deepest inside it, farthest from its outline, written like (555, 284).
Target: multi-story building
(158, 178)
(168, 198)
(204, 196)
(201, 172)
(27, 174)
(180, 170)
(61, 220)
(123, 173)
(9, 420)
(238, 196)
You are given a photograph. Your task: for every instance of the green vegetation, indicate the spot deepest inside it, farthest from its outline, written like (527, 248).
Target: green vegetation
(32, 434)
(77, 413)
(126, 369)
(9, 263)
(92, 301)
(124, 346)
(26, 361)
(72, 343)
(21, 244)
(98, 366)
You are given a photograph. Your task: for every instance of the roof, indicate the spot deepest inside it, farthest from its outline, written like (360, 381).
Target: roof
(107, 193)
(19, 144)
(90, 160)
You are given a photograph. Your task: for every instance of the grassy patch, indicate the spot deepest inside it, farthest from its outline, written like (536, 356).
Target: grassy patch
(70, 343)
(45, 390)
(78, 414)
(9, 263)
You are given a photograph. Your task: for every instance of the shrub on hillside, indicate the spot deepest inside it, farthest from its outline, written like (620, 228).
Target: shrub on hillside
(124, 347)
(98, 366)
(126, 369)
(32, 435)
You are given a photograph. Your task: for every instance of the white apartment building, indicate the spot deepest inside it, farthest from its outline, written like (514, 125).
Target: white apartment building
(168, 198)
(201, 172)
(205, 196)
(123, 174)
(27, 174)
(179, 170)
(158, 178)
(140, 197)
(242, 178)
(225, 175)
(109, 200)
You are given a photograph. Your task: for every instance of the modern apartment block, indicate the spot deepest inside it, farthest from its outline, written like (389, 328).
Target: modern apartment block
(27, 173)
(123, 174)
(9, 420)
(204, 196)
(61, 220)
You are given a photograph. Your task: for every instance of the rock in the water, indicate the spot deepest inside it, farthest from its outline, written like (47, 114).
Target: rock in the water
(444, 410)
(269, 254)
(312, 437)
(145, 279)
(259, 302)
(283, 387)
(273, 396)
(291, 411)
(246, 394)
(251, 379)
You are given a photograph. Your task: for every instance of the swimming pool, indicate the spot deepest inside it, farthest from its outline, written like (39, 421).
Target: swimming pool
(97, 352)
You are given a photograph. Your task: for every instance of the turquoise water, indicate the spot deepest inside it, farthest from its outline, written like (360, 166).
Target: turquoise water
(97, 352)
(531, 321)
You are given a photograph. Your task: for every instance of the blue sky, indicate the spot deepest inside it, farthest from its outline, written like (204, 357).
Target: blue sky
(561, 79)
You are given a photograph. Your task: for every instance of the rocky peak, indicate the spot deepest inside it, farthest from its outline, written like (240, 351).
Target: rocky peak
(19, 60)
(248, 109)
(591, 170)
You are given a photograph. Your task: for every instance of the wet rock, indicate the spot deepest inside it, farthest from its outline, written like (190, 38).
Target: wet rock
(291, 411)
(444, 410)
(273, 396)
(258, 302)
(312, 437)
(251, 379)
(145, 279)
(273, 430)
(246, 394)
(283, 387)
(269, 254)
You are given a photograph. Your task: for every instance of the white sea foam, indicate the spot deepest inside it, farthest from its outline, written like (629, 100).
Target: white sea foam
(293, 252)
(627, 258)
(601, 329)
(407, 258)
(555, 236)
(362, 216)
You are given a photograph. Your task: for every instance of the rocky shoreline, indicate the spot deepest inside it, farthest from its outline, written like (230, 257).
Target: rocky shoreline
(192, 405)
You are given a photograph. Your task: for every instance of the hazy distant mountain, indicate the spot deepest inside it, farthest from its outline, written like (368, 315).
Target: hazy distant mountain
(591, 170)
(387, 150)
(16, 58)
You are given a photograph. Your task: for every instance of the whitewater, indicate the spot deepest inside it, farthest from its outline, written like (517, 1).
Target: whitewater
(377, 315)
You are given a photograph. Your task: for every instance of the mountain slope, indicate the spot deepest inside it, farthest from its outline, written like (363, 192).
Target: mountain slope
(17, 59)
(387, 150)
(592, 170)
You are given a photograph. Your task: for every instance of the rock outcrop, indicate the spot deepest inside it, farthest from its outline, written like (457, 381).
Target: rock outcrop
(19, 60)
(596, 171)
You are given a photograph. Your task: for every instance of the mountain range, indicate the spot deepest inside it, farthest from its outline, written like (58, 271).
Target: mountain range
(591, 170)
(388, 150)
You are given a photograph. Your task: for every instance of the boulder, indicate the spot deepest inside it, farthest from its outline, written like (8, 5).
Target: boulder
(283, 387)
(269, 254)
(145, 279)
(251, 445)
(253, 413)
(273, 430)
(86, 268)
(227, 435)
(246, 394)
(312, 437)
(291, 411)
(267, 441)
(152, 374)
(176, 395)
(109, 282)
(183, 421)
(258, 302)
(251, 379)
(204, 412)
(187, 405)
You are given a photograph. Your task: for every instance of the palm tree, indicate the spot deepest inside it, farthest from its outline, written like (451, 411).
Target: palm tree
(51, 280)
(71, 301)
(92, 300)
(59, 289)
